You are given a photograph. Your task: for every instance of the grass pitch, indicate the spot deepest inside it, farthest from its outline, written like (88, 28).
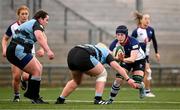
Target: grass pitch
(82, 99)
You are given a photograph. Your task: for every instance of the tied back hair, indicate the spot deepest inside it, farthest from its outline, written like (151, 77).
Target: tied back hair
(138, 16)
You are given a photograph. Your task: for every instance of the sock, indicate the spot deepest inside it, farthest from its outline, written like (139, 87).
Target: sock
(98, 97)
(147, 90)
(62, 97)
(33, 88)
(16, 94)
(114, 90)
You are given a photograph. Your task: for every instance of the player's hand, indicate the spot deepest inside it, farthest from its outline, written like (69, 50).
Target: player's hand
(146, 40)
(132, 83)
(4, 56)
(4, 53)
(158, 57)
(50, 55)
(40, 53)
(121, 57)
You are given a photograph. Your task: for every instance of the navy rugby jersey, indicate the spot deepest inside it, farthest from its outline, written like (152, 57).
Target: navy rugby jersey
(131, 44)
(142, 34)
(10, 32)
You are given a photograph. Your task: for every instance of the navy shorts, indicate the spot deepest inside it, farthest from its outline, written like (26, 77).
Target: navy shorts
(17, 56)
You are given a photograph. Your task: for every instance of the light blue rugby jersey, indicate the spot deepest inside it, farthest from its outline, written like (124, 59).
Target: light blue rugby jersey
(104, 52)
(29, 27)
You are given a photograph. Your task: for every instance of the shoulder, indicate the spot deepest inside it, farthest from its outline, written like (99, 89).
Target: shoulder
(113, 44)
(115, 41)
(37, 25)
(14, 25)
(133, 41)
(150, 28)
(10, 30)
(135, 30)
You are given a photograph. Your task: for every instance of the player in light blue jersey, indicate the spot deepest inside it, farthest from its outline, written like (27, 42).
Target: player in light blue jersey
(89, 59)
(19, 52)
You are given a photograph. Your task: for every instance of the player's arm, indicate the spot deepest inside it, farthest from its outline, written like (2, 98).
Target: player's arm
(43, 43)
(122, 71)
(41, 40)
(4, 42)
(134, 33)
(110, 60)
(112, 46)
(40, 52)
(132, 57)
(154, 43)
(5, 39)
(155, 46)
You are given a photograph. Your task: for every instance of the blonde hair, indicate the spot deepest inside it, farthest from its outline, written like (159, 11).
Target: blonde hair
(139, 16)
(23, 7)
(101, 45)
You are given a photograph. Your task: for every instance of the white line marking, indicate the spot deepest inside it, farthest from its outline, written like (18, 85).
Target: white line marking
(88, 101)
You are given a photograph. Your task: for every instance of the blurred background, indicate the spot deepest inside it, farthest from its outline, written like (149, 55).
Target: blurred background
(75, 22)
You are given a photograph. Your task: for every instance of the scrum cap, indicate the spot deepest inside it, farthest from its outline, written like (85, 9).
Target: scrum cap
(122, 29)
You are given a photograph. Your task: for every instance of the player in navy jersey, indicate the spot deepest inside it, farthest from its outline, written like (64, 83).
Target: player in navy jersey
(89, 59)
(19, 52)
(145, 34)
(23, 14)
(133, 60)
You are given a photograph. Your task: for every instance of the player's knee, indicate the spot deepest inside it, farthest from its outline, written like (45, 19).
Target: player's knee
(149, 71)
(37, 70)
(117, 82)
(137, 78)
(102, 77)
(17, 78)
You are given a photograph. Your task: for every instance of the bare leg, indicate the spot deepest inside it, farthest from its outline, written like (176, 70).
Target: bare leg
(147, 81)
(72, 84)
(100, 72)
(16, 73)
(24, 78)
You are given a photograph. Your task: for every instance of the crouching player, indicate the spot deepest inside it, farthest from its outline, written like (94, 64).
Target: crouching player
(89, 59)
(133, 59)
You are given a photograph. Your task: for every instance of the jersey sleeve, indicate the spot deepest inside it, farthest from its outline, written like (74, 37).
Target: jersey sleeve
(154, 42)
(109, 59)
(135, 44)
(113, 44)
(134, 33)
(37, 26)
(9, 31)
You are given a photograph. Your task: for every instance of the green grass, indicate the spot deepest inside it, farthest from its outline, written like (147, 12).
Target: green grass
(82, 99)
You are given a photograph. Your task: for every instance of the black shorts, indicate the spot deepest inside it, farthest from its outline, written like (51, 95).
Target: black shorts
(137, 65)
(80, 59)
(17, 55)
